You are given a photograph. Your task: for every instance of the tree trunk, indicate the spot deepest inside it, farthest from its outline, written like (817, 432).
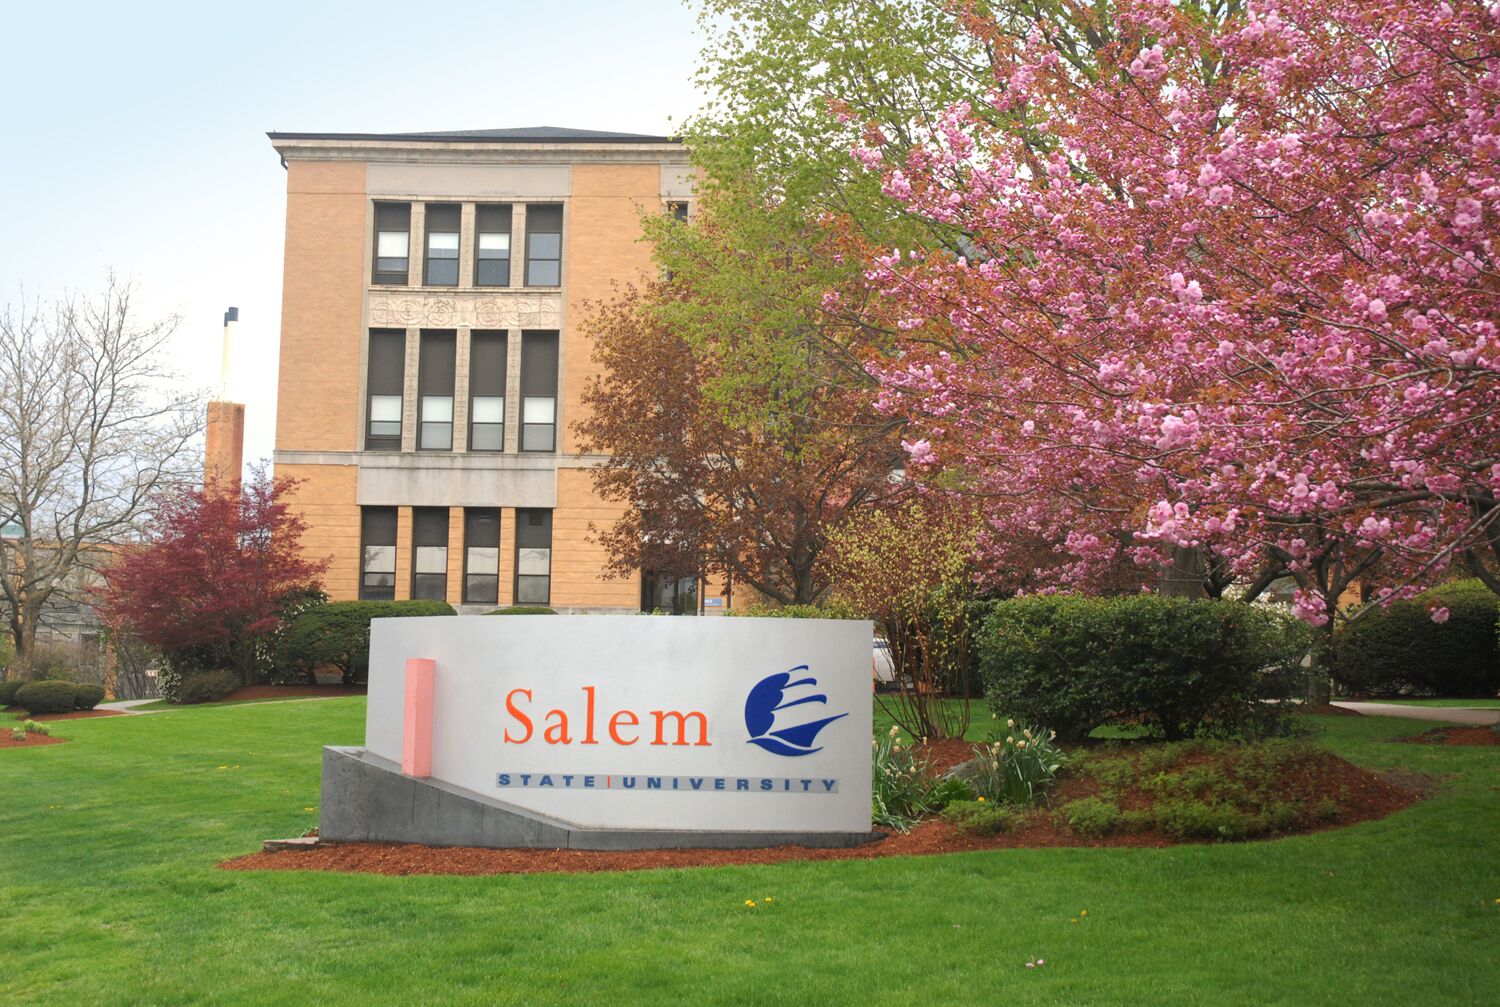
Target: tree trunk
(1184, 577)
(1319, 688)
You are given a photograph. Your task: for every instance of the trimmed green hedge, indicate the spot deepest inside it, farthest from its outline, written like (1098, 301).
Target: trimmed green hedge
(8, 690)
(523, 610)
(207, 686)
(47, 697)
(338, 633)
(1181, 666)
(87, 696)
(1400, 650)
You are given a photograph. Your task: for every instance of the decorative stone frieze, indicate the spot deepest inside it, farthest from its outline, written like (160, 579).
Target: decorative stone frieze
(488, 309)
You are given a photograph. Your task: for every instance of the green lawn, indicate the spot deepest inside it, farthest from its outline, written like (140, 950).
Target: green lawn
(109, 895)
(1487, 704)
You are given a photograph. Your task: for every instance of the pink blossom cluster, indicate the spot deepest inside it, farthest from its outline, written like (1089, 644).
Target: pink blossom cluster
(1234, 290)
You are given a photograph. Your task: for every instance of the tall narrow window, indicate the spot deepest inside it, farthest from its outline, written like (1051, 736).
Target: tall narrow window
(481, 556)
(487, 391)
(429, 546)
(435, 390)
(544, 245)
(533, 557)
(492, 246)
(392, 242)
(442, 244)
(387, 378)
(538, 391)
(377, 542)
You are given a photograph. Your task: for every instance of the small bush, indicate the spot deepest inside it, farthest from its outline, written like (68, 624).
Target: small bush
(1399, 649)
(523, 610)
(87, 696)
(207, 686)
(338, 633)
(981, 818)
(47, 697)
(8, 691)
(1194, 819)
(903, 790)
(1092, 817)
(1179, 666)
(32, 727)
(1020, 767)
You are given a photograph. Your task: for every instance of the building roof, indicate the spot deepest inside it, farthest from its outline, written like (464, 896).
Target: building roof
(523, 134)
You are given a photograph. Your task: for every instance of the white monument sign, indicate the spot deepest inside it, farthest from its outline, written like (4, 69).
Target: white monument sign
(621, 722)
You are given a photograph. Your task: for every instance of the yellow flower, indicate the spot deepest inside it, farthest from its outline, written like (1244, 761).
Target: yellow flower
(751, 902)
(769, 899)
(1083, 912)
(1073, 920)
(1009, 722)
(981, 801)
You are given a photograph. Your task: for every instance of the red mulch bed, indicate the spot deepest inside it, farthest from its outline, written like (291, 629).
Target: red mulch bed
(74, 715)
(291, 692)
(8, 740)
(1327, 710)
(1361, 796)
(1481, 736)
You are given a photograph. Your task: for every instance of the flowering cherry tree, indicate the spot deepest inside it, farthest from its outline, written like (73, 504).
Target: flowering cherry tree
(1231, 289)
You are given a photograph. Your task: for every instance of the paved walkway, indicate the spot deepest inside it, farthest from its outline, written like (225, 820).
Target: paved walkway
(126, 705)
(1475, 715)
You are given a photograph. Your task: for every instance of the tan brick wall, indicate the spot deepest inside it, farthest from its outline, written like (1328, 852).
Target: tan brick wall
(577, 563)
(455, 555)
(322, 307)
(507, 594)
(403, 553)
(603, 246)
(325, 500)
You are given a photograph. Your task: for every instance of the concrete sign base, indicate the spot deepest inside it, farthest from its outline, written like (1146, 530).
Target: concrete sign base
(367, 798)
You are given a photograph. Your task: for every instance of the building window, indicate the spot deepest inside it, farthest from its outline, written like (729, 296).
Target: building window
(377, 546)
(492, 246)
(392, 242)
(533, 557)
(436, 356)
(679, 211)
(487, 391)
(481, 556)
(386, 385)
(429, 547)
(538, 391)
(676, 595)
(442, 245)
(544, 245)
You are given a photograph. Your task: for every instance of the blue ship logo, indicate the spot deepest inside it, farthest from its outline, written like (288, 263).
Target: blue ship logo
(772, 717)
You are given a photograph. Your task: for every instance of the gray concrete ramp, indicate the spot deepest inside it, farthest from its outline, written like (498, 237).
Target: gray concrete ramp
(368, 799)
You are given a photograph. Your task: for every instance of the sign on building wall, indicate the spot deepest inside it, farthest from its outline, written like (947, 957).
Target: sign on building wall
(632, 722)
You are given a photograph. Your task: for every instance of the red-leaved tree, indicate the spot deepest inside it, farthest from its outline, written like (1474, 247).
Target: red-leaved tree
(212, 577)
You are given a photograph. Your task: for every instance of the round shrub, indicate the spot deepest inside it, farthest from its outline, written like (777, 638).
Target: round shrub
(207, 686)
(523, 610)
(1180, 666)
(8, 691)
(47, 697)
(338, 633)
(87, 696)
(1399, 649)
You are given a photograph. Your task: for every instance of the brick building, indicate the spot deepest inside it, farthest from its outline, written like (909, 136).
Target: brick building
(432, 364)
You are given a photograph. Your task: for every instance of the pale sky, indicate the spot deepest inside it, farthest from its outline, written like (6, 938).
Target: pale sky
(132, 135)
